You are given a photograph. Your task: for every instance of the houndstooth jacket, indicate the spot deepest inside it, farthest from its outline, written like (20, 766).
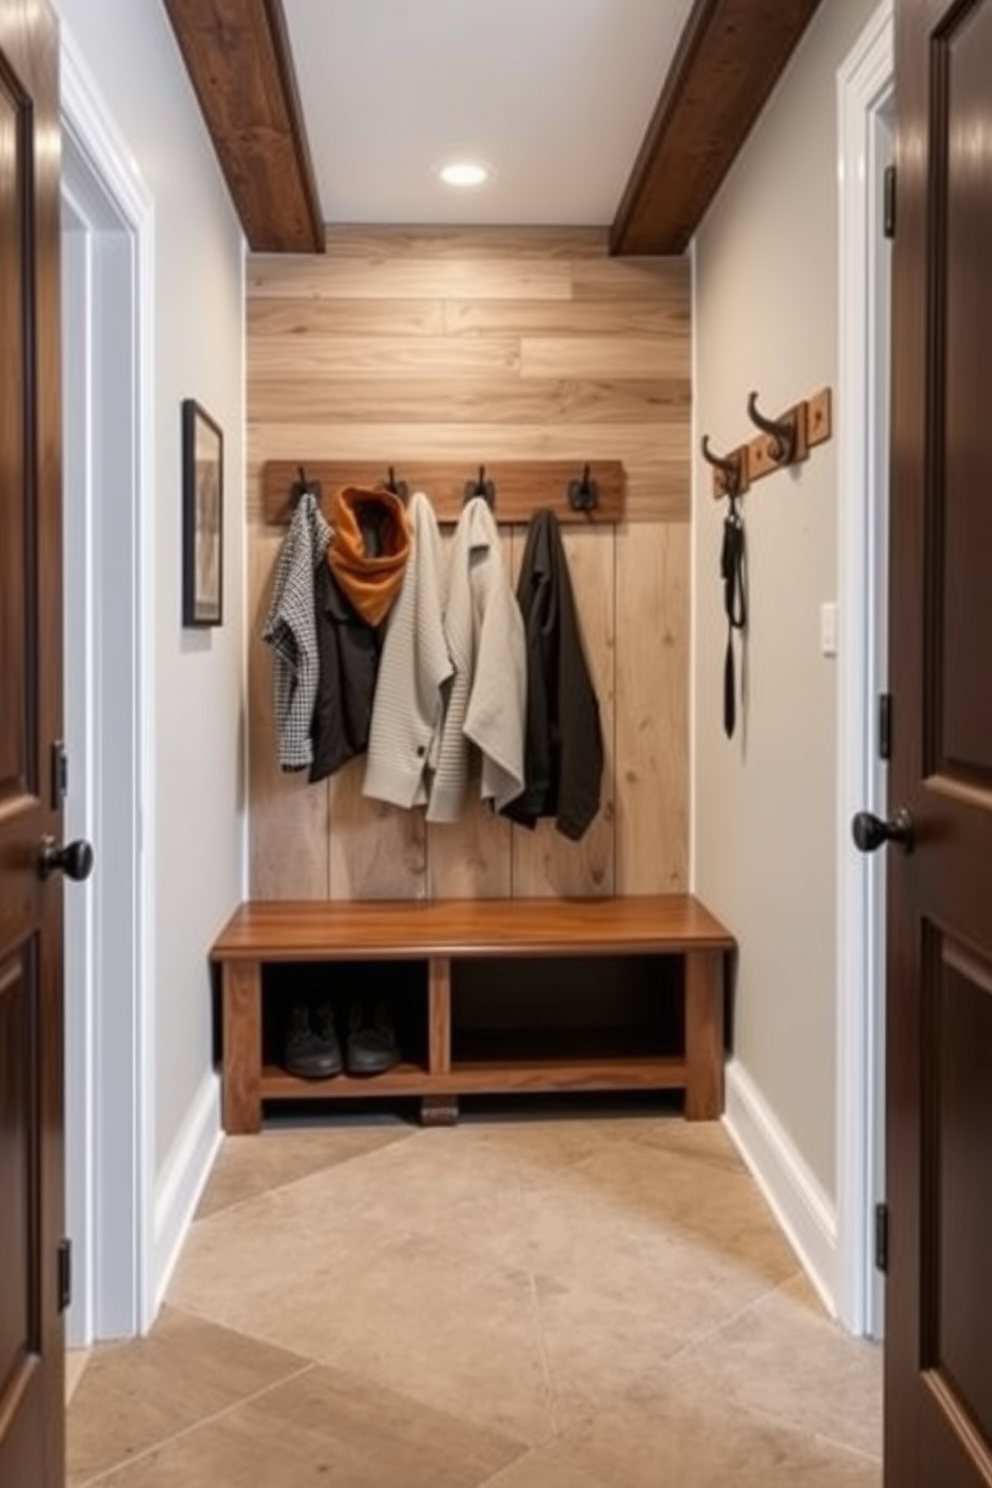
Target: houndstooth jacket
(291, 631)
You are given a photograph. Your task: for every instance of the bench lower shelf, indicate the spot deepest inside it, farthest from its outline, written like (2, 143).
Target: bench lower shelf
(647, 937)
(483, 1078)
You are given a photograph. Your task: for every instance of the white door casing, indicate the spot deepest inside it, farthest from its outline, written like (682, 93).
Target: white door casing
(865, 89)
(108, 602)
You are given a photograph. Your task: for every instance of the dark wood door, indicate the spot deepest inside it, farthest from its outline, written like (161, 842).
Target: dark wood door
(31, 1204)
(938, 1350)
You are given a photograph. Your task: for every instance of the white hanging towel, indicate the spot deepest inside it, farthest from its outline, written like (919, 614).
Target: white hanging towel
(413, 668)
(487, 699)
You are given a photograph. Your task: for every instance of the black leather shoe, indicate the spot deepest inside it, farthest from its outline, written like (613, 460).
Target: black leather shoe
(310, 1045)
(372, 1046)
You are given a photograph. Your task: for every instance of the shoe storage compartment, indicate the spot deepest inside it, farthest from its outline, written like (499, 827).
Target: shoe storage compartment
(489, 996)
(401, 985)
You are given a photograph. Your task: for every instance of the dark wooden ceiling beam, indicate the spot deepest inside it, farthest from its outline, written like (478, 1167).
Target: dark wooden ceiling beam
(730, 56)
(240, 62)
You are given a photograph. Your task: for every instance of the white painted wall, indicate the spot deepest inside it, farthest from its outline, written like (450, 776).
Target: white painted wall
(194, 817)
(765, 802)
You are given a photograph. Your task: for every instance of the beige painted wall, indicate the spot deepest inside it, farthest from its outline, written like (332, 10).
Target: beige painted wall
(481, 345)
(765, 801)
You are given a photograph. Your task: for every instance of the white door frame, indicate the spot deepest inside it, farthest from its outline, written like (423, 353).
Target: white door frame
(108, 597)
(865, 87)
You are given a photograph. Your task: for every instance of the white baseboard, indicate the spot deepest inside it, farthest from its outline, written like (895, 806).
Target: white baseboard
(182, 1180)
(795, 1195)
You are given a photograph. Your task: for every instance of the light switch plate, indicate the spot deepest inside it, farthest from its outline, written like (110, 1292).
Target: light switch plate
(828, 628)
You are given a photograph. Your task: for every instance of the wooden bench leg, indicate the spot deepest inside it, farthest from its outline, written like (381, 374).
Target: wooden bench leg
(241, 1078)
(704, 1035)
(439, 1110)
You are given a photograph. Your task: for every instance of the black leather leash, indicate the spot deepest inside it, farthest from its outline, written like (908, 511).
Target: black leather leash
(734, 572)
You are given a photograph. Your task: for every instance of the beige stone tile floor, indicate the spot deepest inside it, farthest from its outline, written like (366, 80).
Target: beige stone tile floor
(75, 1362)
(588, 1297)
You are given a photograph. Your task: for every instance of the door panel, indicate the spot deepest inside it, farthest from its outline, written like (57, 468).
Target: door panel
(938, 1431)
(957, 1266)
(31, 1177)
(18, 1056)
(14, 756)
(964, 56)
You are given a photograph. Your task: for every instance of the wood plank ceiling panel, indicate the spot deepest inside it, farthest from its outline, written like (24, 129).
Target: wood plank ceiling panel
(239, 60)
(728, 61)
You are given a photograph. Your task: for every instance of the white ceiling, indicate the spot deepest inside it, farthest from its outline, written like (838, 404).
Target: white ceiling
(556, 95)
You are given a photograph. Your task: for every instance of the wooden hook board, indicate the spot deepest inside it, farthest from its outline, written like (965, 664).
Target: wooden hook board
(813, 426)
(522, 486)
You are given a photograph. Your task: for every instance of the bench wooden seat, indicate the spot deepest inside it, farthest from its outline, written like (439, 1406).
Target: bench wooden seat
(665, 942)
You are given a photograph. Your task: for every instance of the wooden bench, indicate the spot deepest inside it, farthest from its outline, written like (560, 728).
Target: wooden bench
(661, 957)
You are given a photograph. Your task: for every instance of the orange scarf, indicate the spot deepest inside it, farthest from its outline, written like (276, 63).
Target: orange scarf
(368, 550)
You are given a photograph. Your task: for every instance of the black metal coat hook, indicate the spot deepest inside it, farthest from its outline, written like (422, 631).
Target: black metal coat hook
(730, 465)
(481, 487)
(781, 432)
(583, 495)
(397, 488)
(301, 486)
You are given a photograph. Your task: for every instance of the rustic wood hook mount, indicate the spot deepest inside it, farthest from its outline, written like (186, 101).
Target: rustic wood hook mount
(525, 486)
(783, 441)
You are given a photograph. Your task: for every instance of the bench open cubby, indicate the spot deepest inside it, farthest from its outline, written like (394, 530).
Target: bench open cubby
(403, 984)
(488, 996)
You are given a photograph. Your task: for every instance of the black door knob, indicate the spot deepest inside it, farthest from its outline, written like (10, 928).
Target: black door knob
(870, 831)
(75, 859)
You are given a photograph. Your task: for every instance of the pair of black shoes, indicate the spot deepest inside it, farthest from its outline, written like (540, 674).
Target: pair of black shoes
(312, 1050)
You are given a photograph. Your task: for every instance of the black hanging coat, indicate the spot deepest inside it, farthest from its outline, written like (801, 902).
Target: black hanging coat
(349, 651)
(563, 748)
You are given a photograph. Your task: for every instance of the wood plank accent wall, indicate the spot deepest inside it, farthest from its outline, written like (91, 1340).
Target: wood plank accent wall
(485, 345)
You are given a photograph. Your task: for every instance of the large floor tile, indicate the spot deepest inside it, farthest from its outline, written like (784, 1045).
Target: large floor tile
(784, 1361)
(135, 1395)
(324, 1429)
(686, 1197)
(542, 1143)
(76, 1361)
(706, 1142)
(692, 1437)
(278, 1265)
(540, 1469)
(252, 1165)
(631, 1247)
(599, 1354)
(433, 1320)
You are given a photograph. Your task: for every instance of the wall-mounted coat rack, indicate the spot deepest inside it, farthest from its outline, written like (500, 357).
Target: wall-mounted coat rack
(784, 440)
(590, 492)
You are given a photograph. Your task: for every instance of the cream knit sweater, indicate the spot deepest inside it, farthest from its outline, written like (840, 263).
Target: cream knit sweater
(413, 668)
(487, 698)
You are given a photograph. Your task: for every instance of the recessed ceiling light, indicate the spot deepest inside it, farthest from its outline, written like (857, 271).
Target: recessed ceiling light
(464, 173)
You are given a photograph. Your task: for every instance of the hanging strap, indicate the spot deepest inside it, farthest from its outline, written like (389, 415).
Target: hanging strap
(732, 569)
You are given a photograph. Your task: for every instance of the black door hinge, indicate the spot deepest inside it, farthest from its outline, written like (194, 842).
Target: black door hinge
(889, 201)
(885, 725)
(882, 1238)
(65, 1274)
(60, 774)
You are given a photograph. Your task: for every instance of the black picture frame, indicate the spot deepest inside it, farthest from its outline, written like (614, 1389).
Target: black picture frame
(203, 516)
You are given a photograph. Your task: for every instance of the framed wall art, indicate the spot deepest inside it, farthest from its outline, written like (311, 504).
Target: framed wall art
(203, 517)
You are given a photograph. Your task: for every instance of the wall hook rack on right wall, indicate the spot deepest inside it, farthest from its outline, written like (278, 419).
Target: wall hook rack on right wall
(808, 423)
